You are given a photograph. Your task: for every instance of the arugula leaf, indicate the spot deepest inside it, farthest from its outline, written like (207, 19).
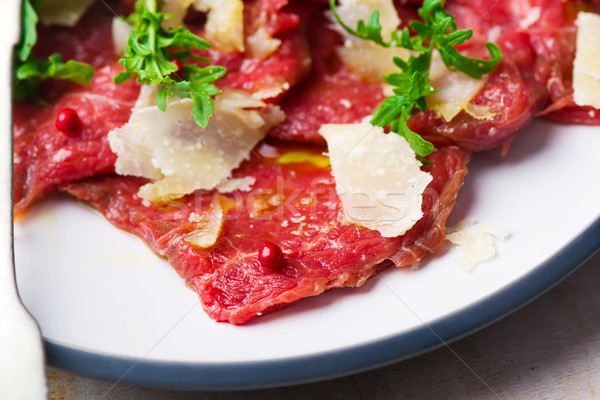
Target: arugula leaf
(29, 71)
(148, 57)
(30, 20)
(437, 30)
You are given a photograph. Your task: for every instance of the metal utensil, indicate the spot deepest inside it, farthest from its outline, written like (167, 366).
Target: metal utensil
(22, 367)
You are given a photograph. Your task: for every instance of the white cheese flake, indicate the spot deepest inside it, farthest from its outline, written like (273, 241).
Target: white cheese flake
(271, 92)
(475, 241)
(261, 44)
(224, 24)
(207, 227)
(177, 9)
(242, 184)
(62, 12)
(586, 68)
(366, 59)
(181, 157)
(120, 31)
(455, 89)
(390, 202)
(224, 27)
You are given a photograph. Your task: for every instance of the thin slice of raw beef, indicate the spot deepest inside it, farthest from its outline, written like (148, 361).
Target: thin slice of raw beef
(46, 158)
(571, 113)
(294, 206)
(537, 40)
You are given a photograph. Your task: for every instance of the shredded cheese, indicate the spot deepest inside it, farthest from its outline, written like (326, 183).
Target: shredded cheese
(586, 68)
(377, 177)
(181, 157)
(62, 12)
(475, 241)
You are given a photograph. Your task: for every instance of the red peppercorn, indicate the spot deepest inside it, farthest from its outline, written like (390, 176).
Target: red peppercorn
(68, 122)
(179, 73)
(270, 256)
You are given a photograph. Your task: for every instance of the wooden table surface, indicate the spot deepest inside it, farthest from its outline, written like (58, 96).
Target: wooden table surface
(550, 349)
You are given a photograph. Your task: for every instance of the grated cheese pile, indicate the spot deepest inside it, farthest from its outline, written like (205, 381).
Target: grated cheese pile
(377, 177)
(586, 68)
(181, 157)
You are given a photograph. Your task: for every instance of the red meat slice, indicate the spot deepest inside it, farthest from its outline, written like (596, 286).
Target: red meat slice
(330, 94)
(535, 71)
(536, 61)
(45, 158)
(288, 65)
(293, 206)
(571, 113)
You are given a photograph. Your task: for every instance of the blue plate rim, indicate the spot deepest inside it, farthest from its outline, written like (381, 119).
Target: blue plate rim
(338, 363)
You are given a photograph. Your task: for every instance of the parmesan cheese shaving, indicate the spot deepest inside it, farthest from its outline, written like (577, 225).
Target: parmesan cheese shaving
(456, 90)
(475, 242)
(208, 227)
(366, 59)
(62, 12)
(177, 9)
(120, 31)
(170, 148)
(242, 184)
(271, 92)
(480, 112)
(586, 68)
(377, 176)
(261, 44)
(225, 23)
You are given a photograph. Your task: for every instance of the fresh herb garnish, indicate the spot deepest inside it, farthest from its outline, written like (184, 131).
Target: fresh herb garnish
(31, 71)
(437, 30)
(149, 53)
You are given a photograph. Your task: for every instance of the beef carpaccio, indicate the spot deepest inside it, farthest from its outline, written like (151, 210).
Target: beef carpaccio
(293, 205)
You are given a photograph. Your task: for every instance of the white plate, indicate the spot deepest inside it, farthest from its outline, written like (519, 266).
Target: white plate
(109, 308)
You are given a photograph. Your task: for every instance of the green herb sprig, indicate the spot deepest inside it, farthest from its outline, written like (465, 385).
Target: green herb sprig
(29, 71)
(149, 54)
(437, 30)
